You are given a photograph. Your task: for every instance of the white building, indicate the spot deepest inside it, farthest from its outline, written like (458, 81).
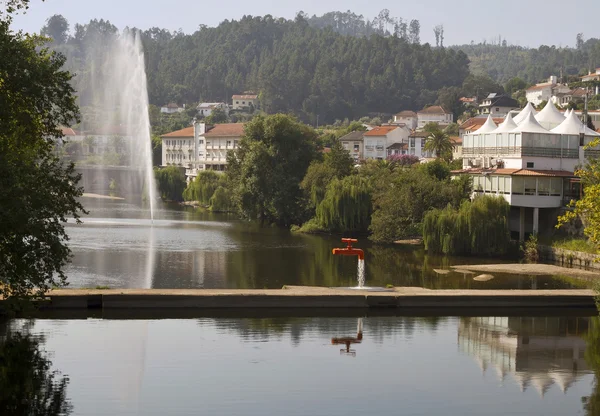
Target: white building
(353, 143)
(434, 114)
(206, 109)
(172, 108)
(528, 165)
(498, 105)
(545, 91)
(409, 118)
(200, 147)
(243, 102)
(377, 140)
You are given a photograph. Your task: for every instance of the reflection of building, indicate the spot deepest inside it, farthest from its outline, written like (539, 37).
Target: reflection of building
(535, 351)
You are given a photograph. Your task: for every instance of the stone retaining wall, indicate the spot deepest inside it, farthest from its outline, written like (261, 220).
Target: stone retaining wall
(569, 258)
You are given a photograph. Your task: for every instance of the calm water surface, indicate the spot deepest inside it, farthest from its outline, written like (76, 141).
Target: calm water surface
(301, 366)
(117, 246)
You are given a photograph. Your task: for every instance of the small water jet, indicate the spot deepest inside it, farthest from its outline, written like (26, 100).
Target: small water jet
(360, 271)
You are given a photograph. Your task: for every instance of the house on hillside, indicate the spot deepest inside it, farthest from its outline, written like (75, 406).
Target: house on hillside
(407, 117)
(434, 114)
(206, 109)
(244, 102)
(498, 105)
(377, 140)
(545, 90)
(564, 98)
(591, 76)
(200, 147)
(172, 108)
(353, 143)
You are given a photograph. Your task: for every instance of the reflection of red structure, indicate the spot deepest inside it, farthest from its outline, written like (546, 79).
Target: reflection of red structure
(349, 341)
(349, 250)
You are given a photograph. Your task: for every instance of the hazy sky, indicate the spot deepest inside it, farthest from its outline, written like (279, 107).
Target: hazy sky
(521, 22)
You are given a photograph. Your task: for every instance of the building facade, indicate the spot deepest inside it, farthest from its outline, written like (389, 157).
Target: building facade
(353, 143)
(408, 118)
(206, 109)
(244, 102)
(172, 108)
(200, 147)
(377, 140)
(498, 105)
(434, 114)
(530, 166)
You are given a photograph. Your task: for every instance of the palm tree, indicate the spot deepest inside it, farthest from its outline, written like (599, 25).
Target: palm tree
(439, 143)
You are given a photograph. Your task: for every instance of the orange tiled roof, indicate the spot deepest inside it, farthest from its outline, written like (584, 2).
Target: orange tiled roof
(226, 130)
(456, 140)
(537, 87)
(476, 122)
(187, 132)
(380, 130)
(434, 109)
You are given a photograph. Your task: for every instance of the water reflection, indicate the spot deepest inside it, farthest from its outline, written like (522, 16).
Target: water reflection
(283, 365)
(28, 385)
(348, 341)
(535, 351)
(194, 249)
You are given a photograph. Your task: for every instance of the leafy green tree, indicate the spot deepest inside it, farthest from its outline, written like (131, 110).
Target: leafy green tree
(478, 227)
(347, 205)
(339, 160)
(156, 150)
(203, 187)
(57, 28)
(449, 99)
(439, 143)
(268, 166)
(402, 199)
(39, 191)
(515, 84)
(314, 184)
(216, 117)
(221, 200)
(170, 182)
(452, 129)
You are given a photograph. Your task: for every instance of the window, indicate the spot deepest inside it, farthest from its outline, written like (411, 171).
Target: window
(243, 102)
(200, 141)
(237, 102)
(555, 186)
(543, 186)
(235, 143)
(518, 186)
(228, 142)
(412, 142)
(379, 147)
(530, 165)
(497, 109)
(529, 184)
(356, 147)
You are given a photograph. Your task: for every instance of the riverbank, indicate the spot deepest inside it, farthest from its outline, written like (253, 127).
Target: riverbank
(534, 269)
(299, 297)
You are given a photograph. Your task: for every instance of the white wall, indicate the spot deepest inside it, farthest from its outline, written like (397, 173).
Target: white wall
(424, 118)
(411, 122)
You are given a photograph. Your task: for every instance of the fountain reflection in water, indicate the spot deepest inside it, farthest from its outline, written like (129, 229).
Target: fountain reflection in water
(120, 116)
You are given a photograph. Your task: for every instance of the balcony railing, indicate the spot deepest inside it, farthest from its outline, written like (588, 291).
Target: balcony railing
(522, 151)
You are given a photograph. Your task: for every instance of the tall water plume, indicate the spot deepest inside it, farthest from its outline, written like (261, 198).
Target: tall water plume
(360, 273)
(115, 120)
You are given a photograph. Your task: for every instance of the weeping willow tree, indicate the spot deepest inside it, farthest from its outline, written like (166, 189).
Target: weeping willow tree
(221, 200)
(203, 187)
(478, 227)
(347, 205)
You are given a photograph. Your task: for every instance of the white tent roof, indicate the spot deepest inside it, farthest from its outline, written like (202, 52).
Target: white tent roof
(572, 125)
(507, 125)
(530, 125)
(524, 112)
(487, 127)
(550, 117)
(567, 113)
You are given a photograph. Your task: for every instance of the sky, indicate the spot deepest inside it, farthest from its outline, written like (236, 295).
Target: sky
(520, 22)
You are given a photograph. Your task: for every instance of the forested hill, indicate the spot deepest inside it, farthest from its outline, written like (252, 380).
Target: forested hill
(294, 67)
(502, 62)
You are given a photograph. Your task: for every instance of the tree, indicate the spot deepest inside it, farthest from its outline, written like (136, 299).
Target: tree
(57, 28)
(449, 99)
(216, 117)
(579, 41)
(39, 191)
(439, 143)
(339, 160)
(588, 207)
(515, 84)
(266, 170)
(203, 187)
(170, 182)
(414, 32)
(347, 205)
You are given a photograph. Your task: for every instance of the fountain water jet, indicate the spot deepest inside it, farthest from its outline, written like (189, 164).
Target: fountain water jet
(120, 115)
